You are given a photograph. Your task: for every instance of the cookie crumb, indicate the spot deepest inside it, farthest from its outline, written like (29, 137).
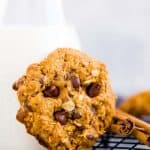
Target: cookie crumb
(95, 72)
(68, 106)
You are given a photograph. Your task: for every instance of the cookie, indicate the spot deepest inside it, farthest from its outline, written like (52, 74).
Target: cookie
(66, 100)
(138, 104)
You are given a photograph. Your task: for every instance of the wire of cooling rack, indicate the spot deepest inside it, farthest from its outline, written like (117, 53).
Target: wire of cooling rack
(116, 142)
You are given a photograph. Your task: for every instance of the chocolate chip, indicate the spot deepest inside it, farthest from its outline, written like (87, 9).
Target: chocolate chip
(80, 128)
(93, 89)
(14, 86)
(75, 82)
(51, 91)
(61, 116)
(90, 137)
(75, 115)
(41, 141)
(115, 120)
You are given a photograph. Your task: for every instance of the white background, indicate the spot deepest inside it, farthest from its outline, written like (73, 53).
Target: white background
(117, 32)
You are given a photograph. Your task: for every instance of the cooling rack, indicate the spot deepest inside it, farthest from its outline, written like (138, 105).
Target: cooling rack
(116, 142)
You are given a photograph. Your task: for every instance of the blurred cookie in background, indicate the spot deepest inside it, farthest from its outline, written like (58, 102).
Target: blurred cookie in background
(137, 104)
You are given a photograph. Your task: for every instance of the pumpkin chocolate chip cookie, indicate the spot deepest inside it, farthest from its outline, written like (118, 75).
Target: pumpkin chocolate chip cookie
(66, 100)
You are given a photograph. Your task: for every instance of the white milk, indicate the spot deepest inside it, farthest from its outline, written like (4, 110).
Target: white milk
(31, 29)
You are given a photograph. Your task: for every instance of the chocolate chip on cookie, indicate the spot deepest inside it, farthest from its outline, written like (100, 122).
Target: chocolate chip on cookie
(14, 86)
(90, 137)
(93, 89)
(75, 115)
(18, 83)
(61, 116)
(41, 141)
(51, 91)
(75, 82)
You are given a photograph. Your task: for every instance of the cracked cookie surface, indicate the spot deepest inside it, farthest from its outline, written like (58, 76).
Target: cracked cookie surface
(66, 100)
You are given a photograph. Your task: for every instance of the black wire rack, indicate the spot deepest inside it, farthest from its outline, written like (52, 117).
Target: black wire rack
(116, 142)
